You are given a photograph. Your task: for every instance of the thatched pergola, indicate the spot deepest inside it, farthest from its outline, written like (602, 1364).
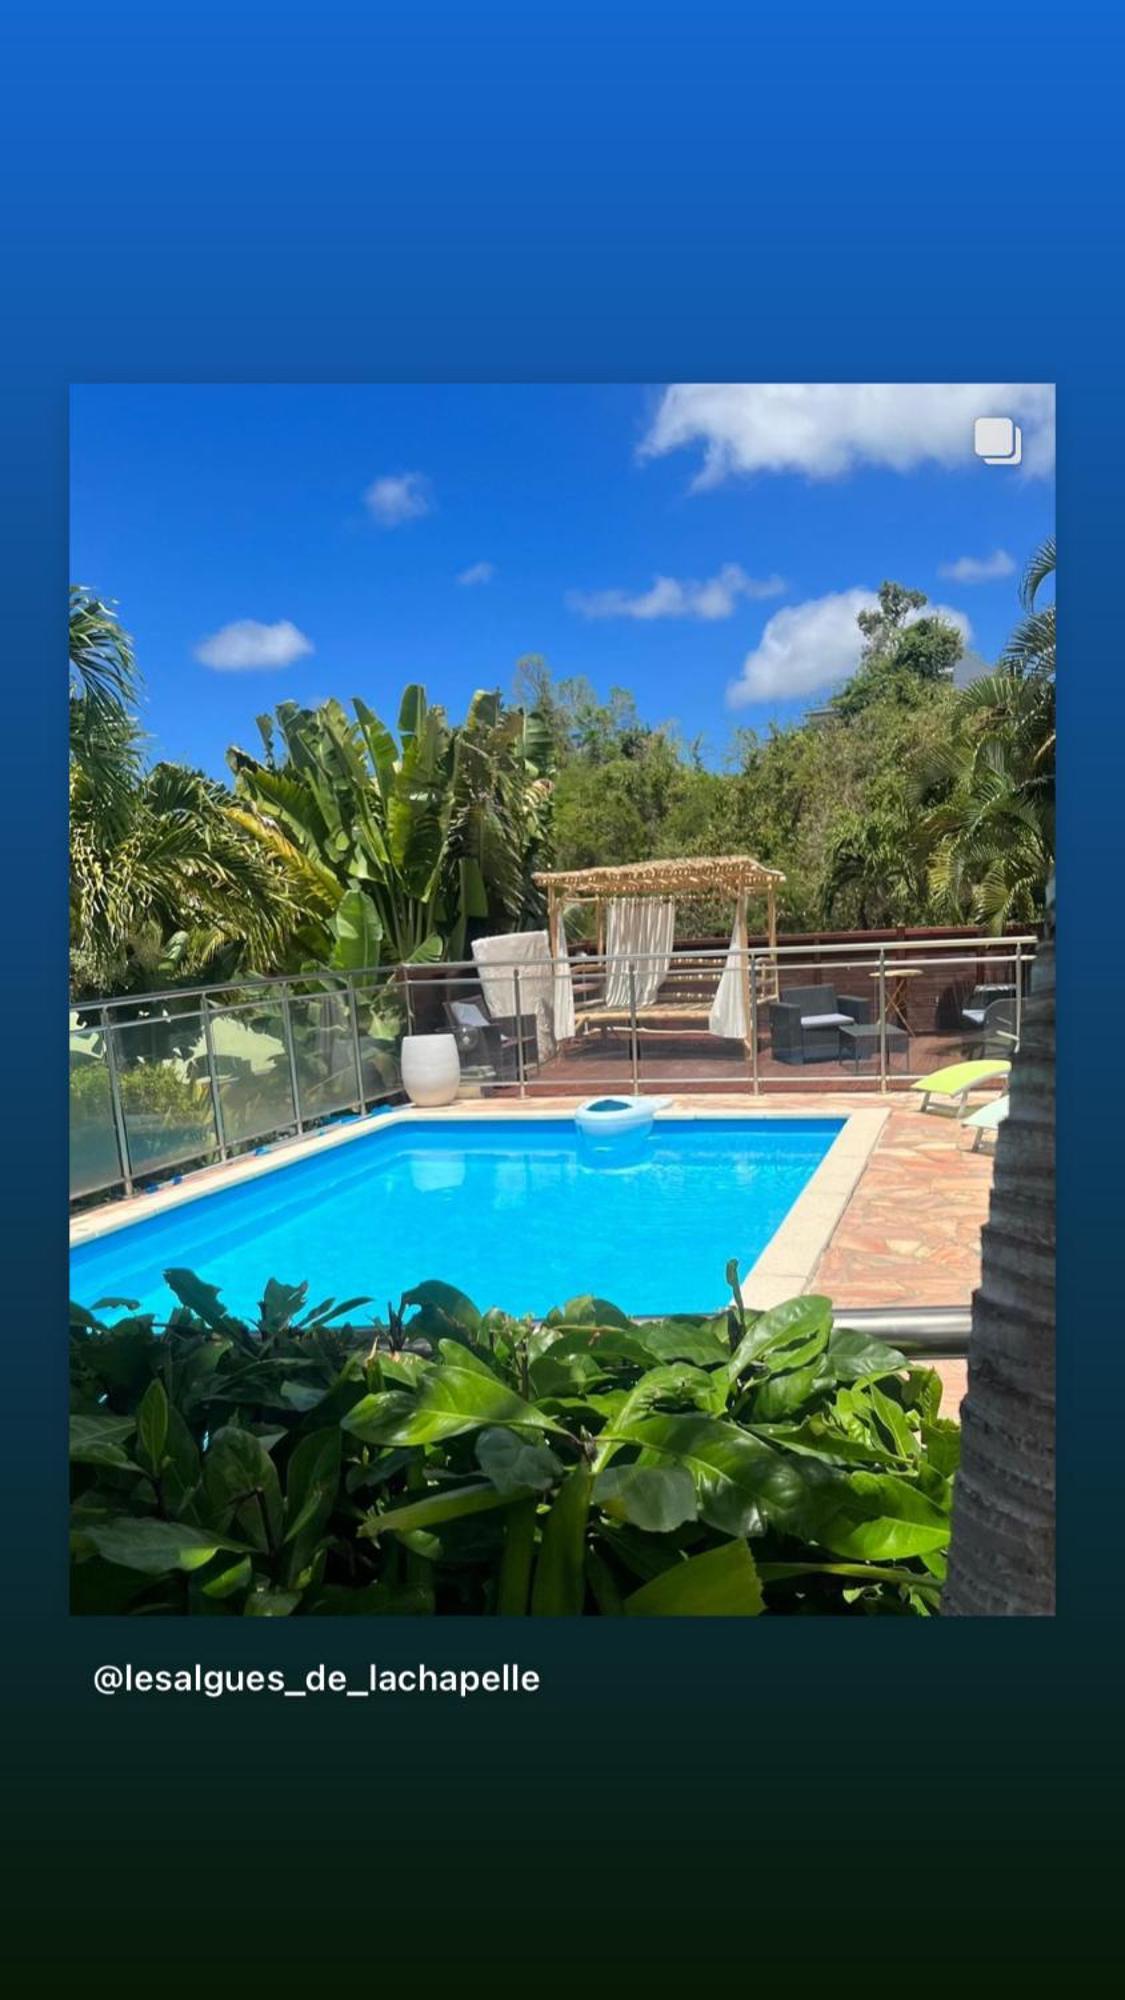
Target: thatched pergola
(737, 876)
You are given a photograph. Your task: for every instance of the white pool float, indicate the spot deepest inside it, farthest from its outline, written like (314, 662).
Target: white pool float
(604, 1117)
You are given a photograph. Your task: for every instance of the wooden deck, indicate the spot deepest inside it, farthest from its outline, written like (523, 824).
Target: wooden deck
(703, 1063)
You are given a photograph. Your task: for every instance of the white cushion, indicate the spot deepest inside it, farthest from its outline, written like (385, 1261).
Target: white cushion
(973, 1014)
(825, 1020)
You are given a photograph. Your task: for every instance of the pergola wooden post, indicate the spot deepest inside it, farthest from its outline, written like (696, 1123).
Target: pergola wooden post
(553, 914)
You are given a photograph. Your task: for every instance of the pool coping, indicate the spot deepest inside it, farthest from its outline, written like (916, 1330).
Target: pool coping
(786, 1265)
(782, 1270)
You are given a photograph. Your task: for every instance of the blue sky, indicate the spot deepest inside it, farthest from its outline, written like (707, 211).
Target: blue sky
(705, 546)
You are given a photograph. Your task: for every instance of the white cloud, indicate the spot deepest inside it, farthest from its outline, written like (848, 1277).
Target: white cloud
(979, 569)
(247, 644)
(812, 645)
(669, 597)
(482, 572)
(824, 429)
(399, 497)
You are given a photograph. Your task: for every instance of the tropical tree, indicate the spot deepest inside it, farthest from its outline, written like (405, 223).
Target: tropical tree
(164, 885)
(163, 882)
(105, 740)
(1031, 648)
(1002, 1559)
(993, 833)
(438, 834)
(906, 652)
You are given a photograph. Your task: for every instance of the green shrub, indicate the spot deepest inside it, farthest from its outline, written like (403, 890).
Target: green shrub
(452, 1461)
(153, 1088)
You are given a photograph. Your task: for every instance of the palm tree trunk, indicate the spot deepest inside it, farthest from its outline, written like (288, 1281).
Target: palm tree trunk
(1002, 1559)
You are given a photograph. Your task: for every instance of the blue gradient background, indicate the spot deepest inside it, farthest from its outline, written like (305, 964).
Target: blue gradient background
(347, 192)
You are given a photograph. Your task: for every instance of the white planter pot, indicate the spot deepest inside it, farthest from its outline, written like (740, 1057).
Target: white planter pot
(431, 1068)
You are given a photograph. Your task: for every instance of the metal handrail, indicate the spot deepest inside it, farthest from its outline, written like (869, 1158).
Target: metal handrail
(920, 1332)
(970, 949)
(207, 1004)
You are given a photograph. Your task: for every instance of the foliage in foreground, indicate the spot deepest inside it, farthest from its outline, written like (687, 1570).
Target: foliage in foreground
(454, 1461)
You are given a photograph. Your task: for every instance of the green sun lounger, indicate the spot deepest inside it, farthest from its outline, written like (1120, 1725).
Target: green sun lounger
(957, 1080)
(986, 1119)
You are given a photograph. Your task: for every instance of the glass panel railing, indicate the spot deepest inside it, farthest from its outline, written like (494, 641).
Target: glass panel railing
(964, 1008)
(693, 1020)
(165, 1094)
(488, 1038)
(252, 1069)
(324, 1053)
(818, 1025)
(95, 1161)
(147, 1074)
(598, 1056)
(380, 1001)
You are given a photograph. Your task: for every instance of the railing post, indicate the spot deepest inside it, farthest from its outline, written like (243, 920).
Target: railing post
(287, 1037)
(1019, 990)
(882, 1019)
(634, 1039)
(213, 1075)
(755, 1082)
(405, 970)
(521, 1061)
(120, 1126)
(357, 1053)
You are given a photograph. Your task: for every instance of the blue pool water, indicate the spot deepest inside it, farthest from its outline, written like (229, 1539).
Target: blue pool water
(519, 1215)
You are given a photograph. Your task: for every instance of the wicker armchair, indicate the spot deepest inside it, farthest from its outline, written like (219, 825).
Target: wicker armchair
(805, 1024)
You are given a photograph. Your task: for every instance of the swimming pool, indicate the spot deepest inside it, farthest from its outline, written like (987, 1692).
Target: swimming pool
(519, 1214)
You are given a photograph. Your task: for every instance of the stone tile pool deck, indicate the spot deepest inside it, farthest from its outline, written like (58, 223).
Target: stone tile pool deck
(914, 1198)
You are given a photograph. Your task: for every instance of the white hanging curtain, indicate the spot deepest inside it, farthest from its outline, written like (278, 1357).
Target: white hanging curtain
(638, 933)
(563, 990)
(728, 1009)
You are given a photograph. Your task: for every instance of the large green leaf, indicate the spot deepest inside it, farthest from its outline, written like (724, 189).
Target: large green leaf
(156, 1547)
(514, 1580)
(877, 1517)
(659, 1498)
(452, 1400)
(515, 1464)
(588, 1311)
(559, 1588)
(152, 1426)
(356, 932)
(440, 1309)
(701, 1341)
(241, 1483)
(452, 1504)
(788, 1336)
(312, 1484)
(854, 1356)
(740, 1480)
(200, 1298)
(720, 1583)
(673, 1382)
(98, 1439)
(784, 1394)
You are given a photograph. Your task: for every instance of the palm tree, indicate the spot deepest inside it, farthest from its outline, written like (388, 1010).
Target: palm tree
(103, 670)
(163, 881)
(1002, 1559)
(1031, 648)
(105, 741)
(992, 834)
